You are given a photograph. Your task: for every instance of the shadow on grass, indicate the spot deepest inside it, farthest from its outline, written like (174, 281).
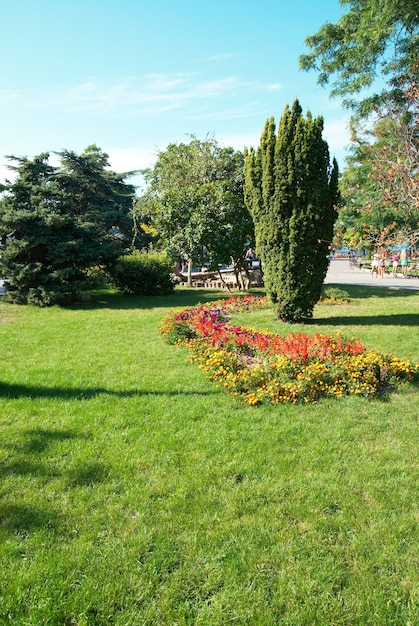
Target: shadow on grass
(183, 296)
(14, 391)
(21, 467)
(36, 442)
(88, 474)
(40, 439)
(361, 292)
(402, 319)
(23, 519)
(187, 296)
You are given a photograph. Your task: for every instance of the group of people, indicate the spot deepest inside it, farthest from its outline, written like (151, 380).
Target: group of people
(378, 264)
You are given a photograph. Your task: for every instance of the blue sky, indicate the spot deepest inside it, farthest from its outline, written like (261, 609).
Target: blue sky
(133, 76)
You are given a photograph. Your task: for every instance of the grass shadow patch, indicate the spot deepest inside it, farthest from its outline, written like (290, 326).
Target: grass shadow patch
(88, 475)
(185, 296)
(21, 468)
(360, 292)
(15, 391)
(40, 439)
(25, 519)
(397, 319)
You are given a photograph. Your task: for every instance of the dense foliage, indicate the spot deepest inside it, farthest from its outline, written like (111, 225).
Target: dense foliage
(58, 222)
(375, 40)
(143, 273)
(381, 182)
(195, 201)
(371, 38)
(291, 191)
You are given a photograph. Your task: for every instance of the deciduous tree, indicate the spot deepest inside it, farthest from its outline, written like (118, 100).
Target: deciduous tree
(372, 38)
(375, 39)
(195, 202)
(381, 183)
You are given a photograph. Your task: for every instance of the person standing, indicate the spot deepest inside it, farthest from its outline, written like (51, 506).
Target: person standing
(374, 265)
(395, 259)
(404, 262)
(250, 255)
(381, 266)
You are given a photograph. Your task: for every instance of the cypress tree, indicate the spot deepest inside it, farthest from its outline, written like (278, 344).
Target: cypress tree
(259, 191)
(291, 191)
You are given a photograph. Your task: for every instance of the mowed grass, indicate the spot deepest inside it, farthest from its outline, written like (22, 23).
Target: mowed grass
(134, 492)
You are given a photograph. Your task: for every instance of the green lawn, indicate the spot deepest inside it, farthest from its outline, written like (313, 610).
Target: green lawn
(134, 492)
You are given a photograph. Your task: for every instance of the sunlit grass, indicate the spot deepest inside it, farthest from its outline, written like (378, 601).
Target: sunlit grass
(135, 492)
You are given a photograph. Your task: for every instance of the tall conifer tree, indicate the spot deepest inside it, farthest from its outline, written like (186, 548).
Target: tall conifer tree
(58, 222)
(292, 190)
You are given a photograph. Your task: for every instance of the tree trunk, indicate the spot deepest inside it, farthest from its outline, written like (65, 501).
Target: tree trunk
(189, 281)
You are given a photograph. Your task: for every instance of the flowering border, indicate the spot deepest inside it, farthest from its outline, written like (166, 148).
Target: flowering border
(263, 366)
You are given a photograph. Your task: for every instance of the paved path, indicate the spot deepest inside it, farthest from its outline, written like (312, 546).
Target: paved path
(343, 273)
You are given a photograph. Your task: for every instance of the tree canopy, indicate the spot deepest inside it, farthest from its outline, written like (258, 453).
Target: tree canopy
(381, 181)
(291, 190)
(58, 222)
(195, 202)
(372, 38)
(375, 39)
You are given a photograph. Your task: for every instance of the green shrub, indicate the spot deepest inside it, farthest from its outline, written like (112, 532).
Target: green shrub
(143, 273)
(98, 278)
(334, 295)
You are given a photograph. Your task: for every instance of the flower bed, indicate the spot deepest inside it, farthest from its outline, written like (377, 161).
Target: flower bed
(262, 366)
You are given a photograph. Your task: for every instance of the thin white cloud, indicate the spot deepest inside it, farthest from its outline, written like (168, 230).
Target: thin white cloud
(153, 93)
(221, 57)
(132, 95)
(274, 87)
(9, 96)
(246, 111)
(133, 158)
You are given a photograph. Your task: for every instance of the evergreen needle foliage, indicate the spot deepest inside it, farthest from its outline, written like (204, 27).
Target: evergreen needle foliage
(292, 191)
(56, 223)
